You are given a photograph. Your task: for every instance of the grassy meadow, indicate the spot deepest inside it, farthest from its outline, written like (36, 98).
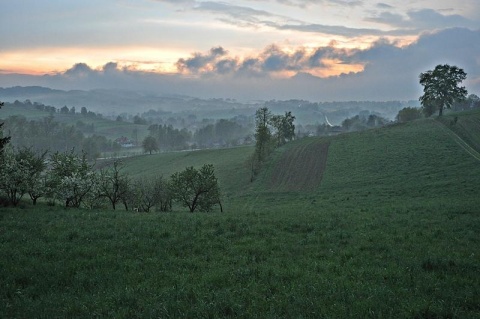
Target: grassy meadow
(378, 224)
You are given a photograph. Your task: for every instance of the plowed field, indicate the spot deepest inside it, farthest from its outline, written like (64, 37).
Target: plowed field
(300, 168)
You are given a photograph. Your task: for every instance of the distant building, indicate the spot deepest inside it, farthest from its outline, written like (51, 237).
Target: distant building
(125, 142)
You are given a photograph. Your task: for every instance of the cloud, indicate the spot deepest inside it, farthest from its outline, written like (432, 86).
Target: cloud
(390, 72)
(79, 70)
(422, 19)
(177, 2)
(382, 5)
(272, 60)
(244, 16)
(409, 23)
(428, 18)
(110, 67)
(306, 3)
(412, 24)
(339, 30)
(201, 62)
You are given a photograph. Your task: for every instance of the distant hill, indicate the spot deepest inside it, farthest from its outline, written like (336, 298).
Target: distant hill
(102, 101)
(114, 102)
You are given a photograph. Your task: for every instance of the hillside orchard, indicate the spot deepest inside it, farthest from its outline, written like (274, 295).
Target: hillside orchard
(70, 179)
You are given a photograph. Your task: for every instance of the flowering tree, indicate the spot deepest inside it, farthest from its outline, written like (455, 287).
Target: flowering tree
(13, 176)
(35, 166)
(71, 178)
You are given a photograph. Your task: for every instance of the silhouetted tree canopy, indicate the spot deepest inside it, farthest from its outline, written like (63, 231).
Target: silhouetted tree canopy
(440, 88)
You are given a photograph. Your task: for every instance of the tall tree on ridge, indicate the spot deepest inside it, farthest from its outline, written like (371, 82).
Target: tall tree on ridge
(440, 88)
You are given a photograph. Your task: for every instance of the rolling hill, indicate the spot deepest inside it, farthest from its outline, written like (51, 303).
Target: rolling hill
(381, 223)
(417, 160)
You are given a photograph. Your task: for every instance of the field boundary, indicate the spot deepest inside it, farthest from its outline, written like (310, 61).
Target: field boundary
(460, 141)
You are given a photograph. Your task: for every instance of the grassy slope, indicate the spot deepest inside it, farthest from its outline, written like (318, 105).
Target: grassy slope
(231, 170)
(466, 127)
(392, 231)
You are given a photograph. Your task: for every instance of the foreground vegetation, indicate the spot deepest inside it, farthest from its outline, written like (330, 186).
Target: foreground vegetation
(387, 227)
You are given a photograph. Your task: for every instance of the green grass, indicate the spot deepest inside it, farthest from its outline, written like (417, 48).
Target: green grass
(391, 231)
(467, 126)
(230, 168)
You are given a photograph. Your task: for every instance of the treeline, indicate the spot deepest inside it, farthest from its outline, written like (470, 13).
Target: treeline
(52, 109)
(48, 134)
(70, 179)
(412, 113)
(222, 133)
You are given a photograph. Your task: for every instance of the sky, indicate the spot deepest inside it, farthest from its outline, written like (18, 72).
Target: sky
(321, 50)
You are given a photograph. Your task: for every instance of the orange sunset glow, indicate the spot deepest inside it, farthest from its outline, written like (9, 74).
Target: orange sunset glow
(195, 41)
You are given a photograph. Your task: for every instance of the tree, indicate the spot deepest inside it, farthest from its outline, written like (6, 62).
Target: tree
(440, 88)
(163, 195)
(285, 129)
(64, 110)
(21, 173)
(138, 120)
(196, 188)
(472, 101)
(13, 176)
(150, 144)
(113, 184)
(35, 167)
(93, 198)
(263, 135)
(145, 196)
(408, 114)
(71, 178)
(3, 140)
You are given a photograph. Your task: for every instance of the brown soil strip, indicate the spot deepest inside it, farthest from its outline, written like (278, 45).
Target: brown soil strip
(300, 168)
